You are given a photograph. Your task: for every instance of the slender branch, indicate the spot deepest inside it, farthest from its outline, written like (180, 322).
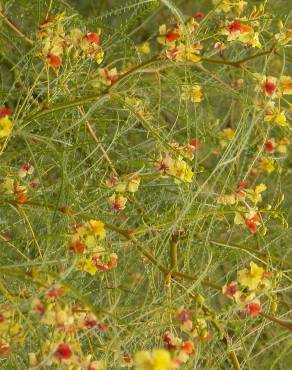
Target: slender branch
(283, 323)
(15, 29)
(173, 253)
(124, 77)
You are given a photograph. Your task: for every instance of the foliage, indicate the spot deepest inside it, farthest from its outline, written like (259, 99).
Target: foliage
(145, 184)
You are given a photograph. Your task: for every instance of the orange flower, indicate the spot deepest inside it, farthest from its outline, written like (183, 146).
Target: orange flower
(54, 61)
(63, 352)
(253, 308)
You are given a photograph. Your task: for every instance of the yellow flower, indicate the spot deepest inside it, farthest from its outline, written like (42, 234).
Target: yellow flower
(117, 202)
(8, 185)
(278, 117)
(181, 171)
(5, 127)
(129, 183)
(86, 264)
(99, 56)
(193, 93)
(97, 228)
(228, 133)
(158, 359)
(251, 278)
(255, 195)
(286, 85)
(266, 164)
(144, 48)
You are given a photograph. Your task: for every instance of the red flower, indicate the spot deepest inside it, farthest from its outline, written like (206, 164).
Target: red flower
(230, 290)
(93, 37)
(39, 308)
(252, 223)
(171, 36)
(198, 15)
(102, 326)
(269, 146)
(268, 87)
(5, 112)
(63, 352)
(44, 22)
(195, 144)
(237, 26)
(22, 198)
(54, 60)
(55, 292)
(77, 247)
(187, 347)
(185, 315)
(253, 308)
(167, 338)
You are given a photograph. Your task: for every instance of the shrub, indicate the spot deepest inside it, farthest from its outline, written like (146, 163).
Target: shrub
(144, 190)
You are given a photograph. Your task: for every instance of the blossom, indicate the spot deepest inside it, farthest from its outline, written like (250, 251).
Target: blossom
(63, 352)
(117, 202)
(98, 228)
(54, 60)
(286, 85)
(25, 169)
(104, 262)
(185, 318)
(144, 48)
(167, 36)
(225, 136)
(250, 218)
(5, 111)
(253, 308)
(185, 53)
(255, 195)
(276, 116)
(171, 342)
(252, 223)
(238, 31)
(5, 126)
(270, 145)
(158, 359)
(192, 92)
(251, 277)
(105, 77)
(181, 171)
(266, 164)
(11, 186)
(128, 183)
(230, 289)
(86, 264)
(86, 236)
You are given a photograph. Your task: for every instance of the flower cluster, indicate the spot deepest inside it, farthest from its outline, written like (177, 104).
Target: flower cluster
(238, 30)
(56, 42)
(5, 122)
(66, 321)
(193, 323)
(11, 331)
(85, 243)
(122, 185)
(16, 186)
(246, 214)
(179, 41)
(176, 166)
(250, 283)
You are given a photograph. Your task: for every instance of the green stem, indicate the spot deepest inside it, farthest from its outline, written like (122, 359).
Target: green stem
(15, 29)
